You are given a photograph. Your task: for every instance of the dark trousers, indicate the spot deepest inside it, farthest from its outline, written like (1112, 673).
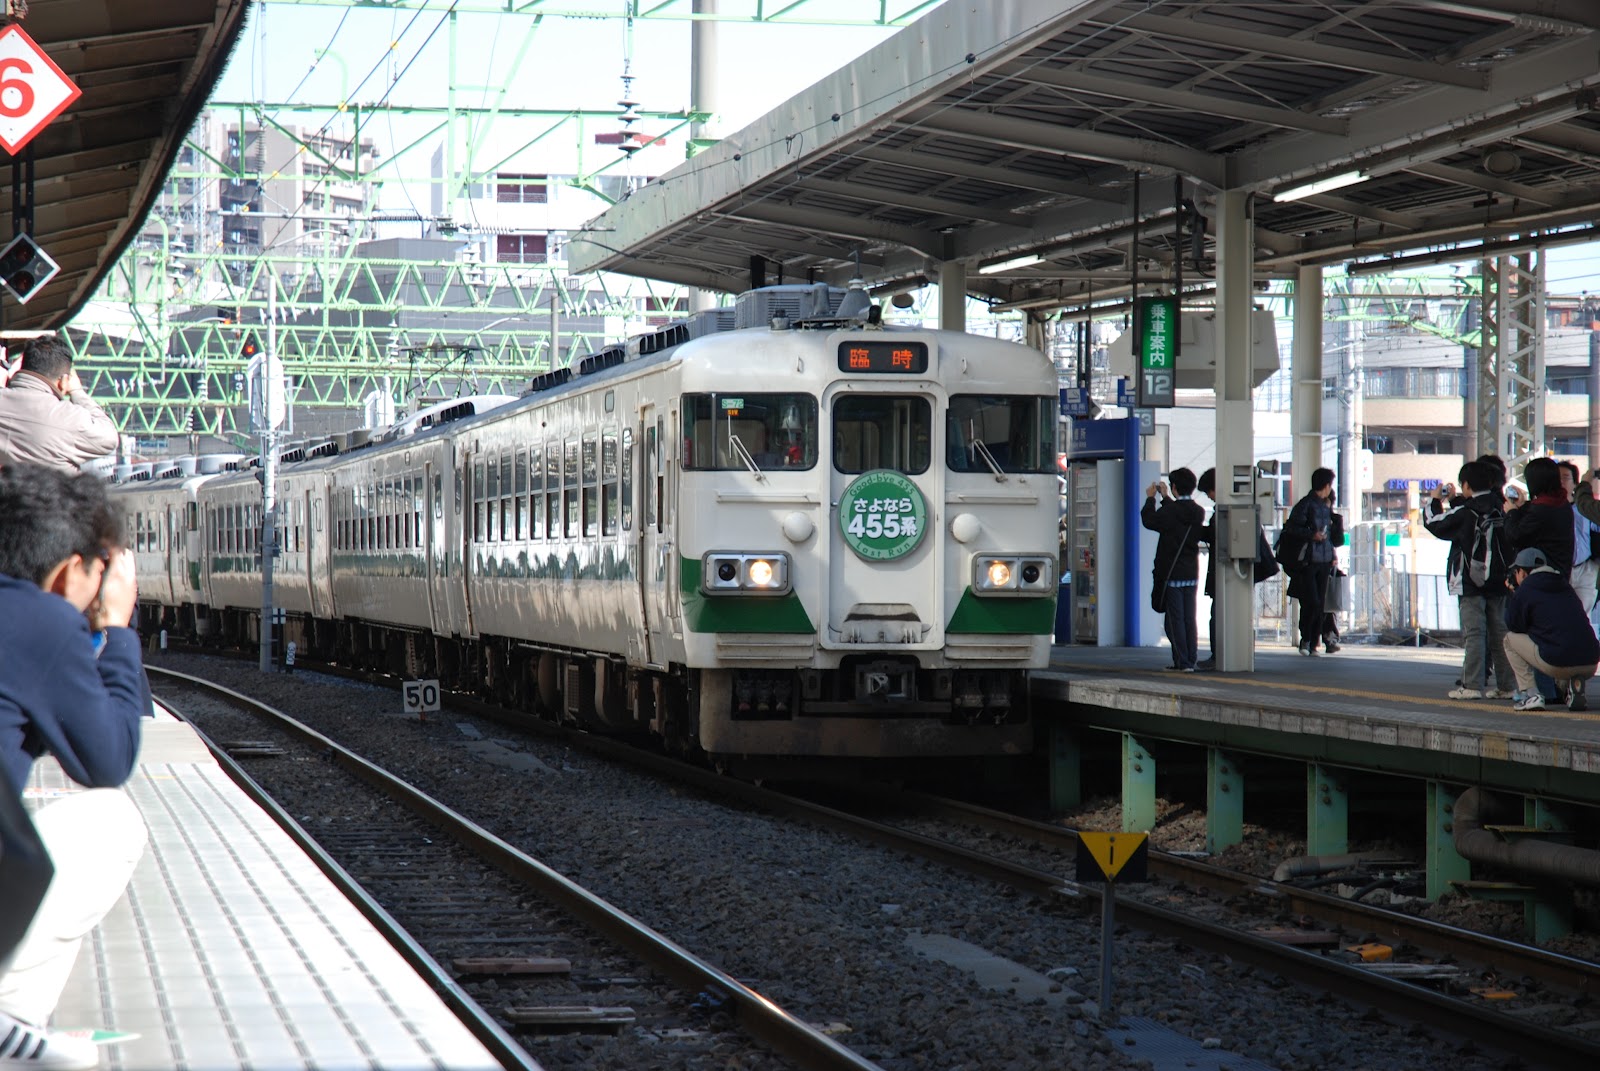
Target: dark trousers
(1182, 630)
(1313, 593)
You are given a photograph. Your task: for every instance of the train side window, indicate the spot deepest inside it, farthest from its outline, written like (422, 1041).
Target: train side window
(627, 479)
(492, 501)
(591, 489)
(573, 504)
(552, 489)
(417, 503)
(520, 485)
(477, 501)
(506, 508)
(438, 497)
(667, 456)
(536, 492)
(608, 483)
(663, 444)
(650, 478)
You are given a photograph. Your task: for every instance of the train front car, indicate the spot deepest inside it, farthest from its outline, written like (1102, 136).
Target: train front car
(866, 534)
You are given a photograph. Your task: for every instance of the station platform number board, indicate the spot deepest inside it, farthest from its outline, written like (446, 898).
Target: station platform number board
(33, 90)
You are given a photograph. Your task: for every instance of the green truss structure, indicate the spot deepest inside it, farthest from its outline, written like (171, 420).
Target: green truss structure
(167, 343)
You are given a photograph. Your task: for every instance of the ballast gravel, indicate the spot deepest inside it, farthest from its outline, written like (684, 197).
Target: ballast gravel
(827, 926)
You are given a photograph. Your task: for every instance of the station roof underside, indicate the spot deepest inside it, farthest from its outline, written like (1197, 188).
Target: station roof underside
(146, 70)
(994, 131)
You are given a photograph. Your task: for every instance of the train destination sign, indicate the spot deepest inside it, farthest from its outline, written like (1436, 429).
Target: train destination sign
(882, 515)
(1158, 351)
(883, 355)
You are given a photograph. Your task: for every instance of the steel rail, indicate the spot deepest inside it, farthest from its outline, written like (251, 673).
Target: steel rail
(763, 1019)
(1435, 938)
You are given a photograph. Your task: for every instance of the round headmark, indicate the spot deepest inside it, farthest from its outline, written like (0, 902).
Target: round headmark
(882, 515)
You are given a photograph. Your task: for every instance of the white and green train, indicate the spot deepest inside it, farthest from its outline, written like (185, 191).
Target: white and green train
(772, 530)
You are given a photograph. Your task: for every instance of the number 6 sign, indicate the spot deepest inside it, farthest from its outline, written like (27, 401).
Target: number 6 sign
(33, 90)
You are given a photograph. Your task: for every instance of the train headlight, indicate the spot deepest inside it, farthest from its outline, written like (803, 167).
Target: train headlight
(730, 573)
(1012, 574)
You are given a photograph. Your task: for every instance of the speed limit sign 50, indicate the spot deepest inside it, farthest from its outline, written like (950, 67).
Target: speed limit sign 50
(421, 697)
(33, 90)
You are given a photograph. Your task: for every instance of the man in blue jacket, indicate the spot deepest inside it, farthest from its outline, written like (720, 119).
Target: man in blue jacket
(71, 686)
(1547, 630)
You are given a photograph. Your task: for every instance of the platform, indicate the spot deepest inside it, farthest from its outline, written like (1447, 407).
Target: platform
(1376, 707)
(232, 950)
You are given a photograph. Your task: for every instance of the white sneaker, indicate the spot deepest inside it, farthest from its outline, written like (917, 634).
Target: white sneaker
(1499, 693)
(25, 1046)
(1465, 693)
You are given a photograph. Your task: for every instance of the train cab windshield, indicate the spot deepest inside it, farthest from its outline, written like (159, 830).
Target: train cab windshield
(775, 431)
(1008, 433)
(882, 431)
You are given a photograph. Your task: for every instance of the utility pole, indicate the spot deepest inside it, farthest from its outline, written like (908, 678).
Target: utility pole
(270, 391)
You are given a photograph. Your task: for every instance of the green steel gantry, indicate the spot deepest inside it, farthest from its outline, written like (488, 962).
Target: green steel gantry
(167, 342)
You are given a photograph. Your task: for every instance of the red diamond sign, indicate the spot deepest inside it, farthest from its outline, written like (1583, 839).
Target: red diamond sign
(33, 90)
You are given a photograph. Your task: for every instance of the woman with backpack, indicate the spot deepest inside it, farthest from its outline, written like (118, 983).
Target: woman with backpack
(1305, 550)
(1474, 524)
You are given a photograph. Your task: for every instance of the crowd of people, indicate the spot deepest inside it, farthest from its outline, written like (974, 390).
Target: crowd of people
(72, 686)
(1524, 564)
(1523, 567)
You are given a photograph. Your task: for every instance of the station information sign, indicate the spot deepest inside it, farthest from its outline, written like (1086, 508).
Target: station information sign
(33, 90)
(1158, 351)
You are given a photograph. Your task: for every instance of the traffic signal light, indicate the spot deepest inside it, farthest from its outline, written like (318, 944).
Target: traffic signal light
(25, 268)
(247, 348)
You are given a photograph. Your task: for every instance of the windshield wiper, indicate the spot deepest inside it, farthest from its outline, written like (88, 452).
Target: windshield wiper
(988, 459)
(744, 455)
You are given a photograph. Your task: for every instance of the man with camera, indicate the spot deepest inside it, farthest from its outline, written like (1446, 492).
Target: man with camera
(72, 686)
(1547, 630)
(46, 416)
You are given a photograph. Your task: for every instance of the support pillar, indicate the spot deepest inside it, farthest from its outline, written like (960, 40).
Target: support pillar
(1235, 414)
(1305, 406)
(953, 295)
(1066, 767)
(1224, 801)
(1327, 810)
(1138, 786)
(1444, 863)
(1549, 914)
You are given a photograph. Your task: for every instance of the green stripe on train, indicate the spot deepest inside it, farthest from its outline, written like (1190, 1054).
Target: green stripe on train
(1014, 616)
(737, 613)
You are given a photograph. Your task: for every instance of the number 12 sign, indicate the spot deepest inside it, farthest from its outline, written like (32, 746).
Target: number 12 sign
(33, 90)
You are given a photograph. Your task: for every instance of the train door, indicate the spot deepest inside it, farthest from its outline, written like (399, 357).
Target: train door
(316, 558)
(463, 505)
(432, 541)
(655, 538)
(172, 556)
(446, 575)
(886, 482)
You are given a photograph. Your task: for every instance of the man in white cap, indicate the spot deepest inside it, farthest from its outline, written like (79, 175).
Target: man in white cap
(1547, 630)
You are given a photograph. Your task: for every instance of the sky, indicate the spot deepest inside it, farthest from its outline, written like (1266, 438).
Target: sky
(314, 54)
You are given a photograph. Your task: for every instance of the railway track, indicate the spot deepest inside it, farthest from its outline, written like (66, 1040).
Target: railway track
(1562, 976)
(417, 871)
(1031, 857)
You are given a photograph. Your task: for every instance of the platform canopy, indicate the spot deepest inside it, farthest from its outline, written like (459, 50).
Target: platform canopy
(146, 70)
(1007, 130)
